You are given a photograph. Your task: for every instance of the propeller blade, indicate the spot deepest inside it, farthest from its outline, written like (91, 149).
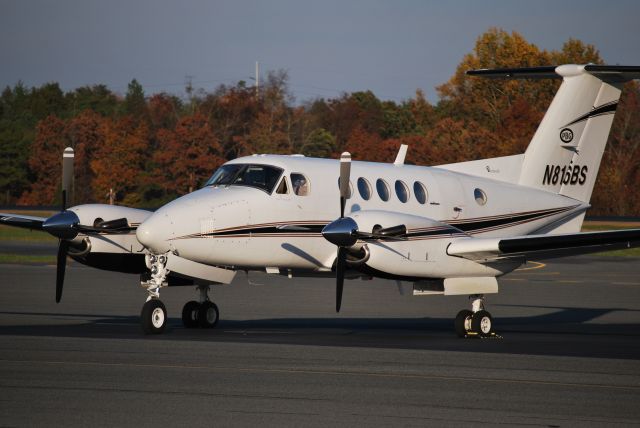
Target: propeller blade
(67, 177)
(341, 262)
(345, 173)
(63, 248)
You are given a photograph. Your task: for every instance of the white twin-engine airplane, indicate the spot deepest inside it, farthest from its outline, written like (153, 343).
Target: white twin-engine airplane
(451, 229)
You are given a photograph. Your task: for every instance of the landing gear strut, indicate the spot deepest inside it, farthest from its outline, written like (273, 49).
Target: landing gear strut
(203, 314)
(476, 322)
(154, 314)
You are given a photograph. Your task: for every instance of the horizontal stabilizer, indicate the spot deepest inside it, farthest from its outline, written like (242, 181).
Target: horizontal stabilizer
(24, 221)
(610, 73)
(543, 246)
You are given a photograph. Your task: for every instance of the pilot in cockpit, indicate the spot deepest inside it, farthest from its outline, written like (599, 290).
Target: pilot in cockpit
(300, 185)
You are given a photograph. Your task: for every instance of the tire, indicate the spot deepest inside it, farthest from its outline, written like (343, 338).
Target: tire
(460, 321)
(482, 323)
(190, 314)
(208, 315)
(153, 317)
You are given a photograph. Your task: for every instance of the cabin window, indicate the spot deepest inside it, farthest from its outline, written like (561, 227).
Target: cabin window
(263, 177)
(350, 188)
(402, 192)
(383, 189)
(282, 187)
(421, 192)
(364, 188)
(480, 196)
(300, 184)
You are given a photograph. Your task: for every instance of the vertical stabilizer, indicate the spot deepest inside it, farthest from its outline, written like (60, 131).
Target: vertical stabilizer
(565, 152)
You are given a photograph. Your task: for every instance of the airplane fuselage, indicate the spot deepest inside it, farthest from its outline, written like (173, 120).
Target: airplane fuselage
(249, 228)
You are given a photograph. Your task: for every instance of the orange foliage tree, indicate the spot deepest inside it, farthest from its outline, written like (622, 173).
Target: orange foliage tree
(45, 163)
(119, 162)
(187, 155)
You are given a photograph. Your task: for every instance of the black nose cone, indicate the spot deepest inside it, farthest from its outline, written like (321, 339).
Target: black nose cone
(341, 232)
(62, 225)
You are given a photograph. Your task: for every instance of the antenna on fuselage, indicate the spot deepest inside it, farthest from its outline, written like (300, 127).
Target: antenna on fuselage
(402, 153)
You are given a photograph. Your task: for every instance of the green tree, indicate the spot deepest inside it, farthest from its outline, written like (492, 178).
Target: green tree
(97, 98)
(320, 143)
(134, 102)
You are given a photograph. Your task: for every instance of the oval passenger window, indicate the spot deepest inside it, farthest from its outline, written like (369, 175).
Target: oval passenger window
(383, 189)
(420, 192)
(402, 192)
(480, 196)
(364, 188)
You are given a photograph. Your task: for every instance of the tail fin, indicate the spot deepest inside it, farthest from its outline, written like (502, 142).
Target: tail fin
(565, 152)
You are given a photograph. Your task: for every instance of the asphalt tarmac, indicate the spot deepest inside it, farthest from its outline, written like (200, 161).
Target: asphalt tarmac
(281, 356)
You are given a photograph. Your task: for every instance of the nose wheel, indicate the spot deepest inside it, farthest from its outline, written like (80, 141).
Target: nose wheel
(153, 317)
(476, 322)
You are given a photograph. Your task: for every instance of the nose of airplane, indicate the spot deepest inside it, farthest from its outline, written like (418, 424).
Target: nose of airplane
(154, 233)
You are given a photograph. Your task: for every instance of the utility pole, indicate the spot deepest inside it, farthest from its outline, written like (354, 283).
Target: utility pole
(257, 78)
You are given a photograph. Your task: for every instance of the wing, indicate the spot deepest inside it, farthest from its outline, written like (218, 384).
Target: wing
(543, 246)
(24, 221)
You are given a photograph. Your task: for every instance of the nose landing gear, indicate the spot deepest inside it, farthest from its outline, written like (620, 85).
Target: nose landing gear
(154, 314)
(476, 322)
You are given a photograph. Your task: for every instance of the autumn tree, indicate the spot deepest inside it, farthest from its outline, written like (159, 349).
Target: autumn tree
(456, 141)
(486, 100)
(619, 176)
(45, 163)
(187, 156)
(17, 131)
(86, 135)
(164, 111)
(231, 111)
(369, 146)
(118, 163)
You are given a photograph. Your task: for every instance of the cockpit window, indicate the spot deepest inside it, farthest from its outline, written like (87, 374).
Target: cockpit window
(300, 184)
(263, 177)
(282, 187)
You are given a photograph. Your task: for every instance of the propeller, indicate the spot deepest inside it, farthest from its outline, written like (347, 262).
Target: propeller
(59, 224)
(343, 232)
(65, 225)
(340, 233)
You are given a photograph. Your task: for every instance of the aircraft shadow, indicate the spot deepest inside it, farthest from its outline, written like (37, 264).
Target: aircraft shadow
(565, 332)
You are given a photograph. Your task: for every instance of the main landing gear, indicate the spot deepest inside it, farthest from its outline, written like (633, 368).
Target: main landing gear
(476, 322)
(203, 313)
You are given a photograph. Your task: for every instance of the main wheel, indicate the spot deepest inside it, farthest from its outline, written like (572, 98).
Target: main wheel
(208, 315)
(153, 317)
(482, 323)
(190, 314)
(463, 322)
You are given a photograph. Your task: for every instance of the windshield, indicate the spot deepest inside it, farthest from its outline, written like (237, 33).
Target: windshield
(263, 177)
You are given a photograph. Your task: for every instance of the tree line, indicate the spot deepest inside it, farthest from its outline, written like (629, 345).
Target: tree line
(150, 149)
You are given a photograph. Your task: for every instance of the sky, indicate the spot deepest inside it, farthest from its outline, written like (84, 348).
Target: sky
(327, 47)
